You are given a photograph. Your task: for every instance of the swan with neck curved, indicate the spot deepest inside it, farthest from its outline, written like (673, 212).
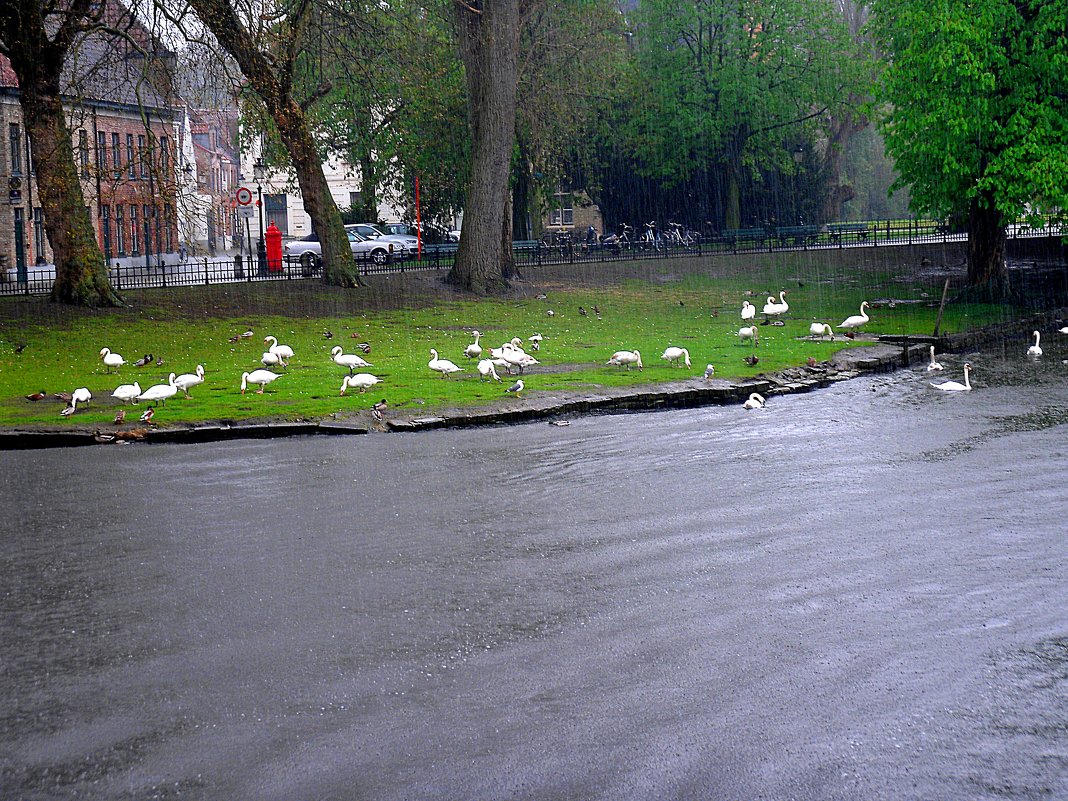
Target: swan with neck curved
(933, 364)
(857, 320)
(755, 401)
(748, 310)
(443, 366)
(773, 308)
(111, 359)
(821, 330)
(187, 381)
(261, 377)
(626, 358)
(284, 351)
(673, 355)
(749, 332)
(360, 381)
(956, 386)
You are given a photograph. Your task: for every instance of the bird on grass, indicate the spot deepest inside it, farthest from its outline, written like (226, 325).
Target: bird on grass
(361, 381)
(68, 411)
(582, 311)
(378, 408)
(748, 310)
(821, 330)
(348, 360)
(261, 377)
(20, 347)
(443, 366)
(160, 392)
(363, 346)
(596, 310)
(147, 415)
(80, 395)
(284, 351)
(247, 334)
(328, 334)
(186, 381)
(750, 332)
(111, 359)
(120, 416)
(63, 396)
(474, 350)
(234, 338)
(486, 370)
(709, 372)
(751, 360)
(36, 396)
(159, 362)
(127, 392)
(673, 355)
(535, 341)
(270, 359)
(626, 358)
(144, 360)
(857, 320)
(811, 361)
(516, 388)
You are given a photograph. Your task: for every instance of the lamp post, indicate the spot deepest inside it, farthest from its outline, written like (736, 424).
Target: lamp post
(258, 172)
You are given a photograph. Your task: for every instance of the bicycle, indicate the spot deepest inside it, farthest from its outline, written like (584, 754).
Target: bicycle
(651, 236)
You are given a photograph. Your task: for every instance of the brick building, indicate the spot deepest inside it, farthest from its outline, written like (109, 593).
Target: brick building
(120, 111)
(218, 170)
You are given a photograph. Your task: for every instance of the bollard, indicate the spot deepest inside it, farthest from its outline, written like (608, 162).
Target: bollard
(239, 268)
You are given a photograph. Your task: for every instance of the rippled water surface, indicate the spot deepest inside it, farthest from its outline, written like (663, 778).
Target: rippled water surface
(856, 593)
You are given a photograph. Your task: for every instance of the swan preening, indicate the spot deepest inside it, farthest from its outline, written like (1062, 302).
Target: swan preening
(111, 359)
(487, 370)
(443, 366)
(1035, 350)
(673, 355)
(360, 381)
(857, 320)
(748, 310)
(349, 361)
(933, 365)
(272, 359)
(956, 386)
(821, 330)
(755, 401)
(261, 377)
(773, 308)
(626, 358)
(749, 332)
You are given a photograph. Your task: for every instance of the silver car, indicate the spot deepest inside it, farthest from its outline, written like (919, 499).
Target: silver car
(405, 246)
(309, 252)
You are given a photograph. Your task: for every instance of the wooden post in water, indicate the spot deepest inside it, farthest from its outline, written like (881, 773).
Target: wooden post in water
(941, 308)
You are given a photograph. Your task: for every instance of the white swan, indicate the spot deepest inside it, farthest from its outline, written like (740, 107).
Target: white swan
(857, 320)
(673, 355)
(821, 330)
(755, 401)
(348, 360)
(80, 395)
(773, 308)
(486, 370)
(626, 358)
(111, 359)
(160, 392)
(474, 350)
(443, 366)
(1035, 350)
(127, 392)
(748, 310)
(1063, 330)
(261, 377)
(517, 357)
(933, 365)
(284, 351)
(187, 381)
(272, 359)
(361, 381)
(955, 386)
(749, 332)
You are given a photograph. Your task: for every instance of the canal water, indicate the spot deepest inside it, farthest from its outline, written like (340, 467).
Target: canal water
(855, 593)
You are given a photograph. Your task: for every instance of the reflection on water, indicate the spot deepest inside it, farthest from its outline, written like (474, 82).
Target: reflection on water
(793, 602)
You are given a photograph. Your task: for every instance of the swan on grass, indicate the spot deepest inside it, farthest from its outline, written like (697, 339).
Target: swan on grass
(626, 358)
(857, 320)
(933, 364)
(443, 366)
(1035, 350)
(956, 386)
(821, 330)
(360, 381)
(755, 401)
(750, 332)
(748, 310)
(111, 359)
(773, 308)
(350, 361)
(487, 370)
(673, 354)
(272, 359)
(187, 381)
(127, 392)
(284, 351)
(474, 350)
(160, 392)
(261, 377)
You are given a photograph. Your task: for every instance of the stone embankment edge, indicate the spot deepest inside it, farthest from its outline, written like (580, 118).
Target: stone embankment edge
(885, 354)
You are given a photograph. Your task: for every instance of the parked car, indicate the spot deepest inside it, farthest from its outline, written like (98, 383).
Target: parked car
(405, 246)
(309, 252)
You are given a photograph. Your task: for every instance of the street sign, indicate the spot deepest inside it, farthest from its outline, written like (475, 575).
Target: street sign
(246, 212)
(244, 196)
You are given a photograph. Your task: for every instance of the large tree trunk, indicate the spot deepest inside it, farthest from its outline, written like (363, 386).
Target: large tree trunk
(81, 276)
(988, 274)
(271, 80)
(489, 46)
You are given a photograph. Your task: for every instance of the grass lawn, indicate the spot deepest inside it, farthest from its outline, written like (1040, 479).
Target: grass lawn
(647, 311)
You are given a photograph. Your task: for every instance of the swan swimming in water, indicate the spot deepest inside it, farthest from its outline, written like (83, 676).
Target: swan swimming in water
(1035, 350)
(956, 386)
(933, 365)
(755, 401)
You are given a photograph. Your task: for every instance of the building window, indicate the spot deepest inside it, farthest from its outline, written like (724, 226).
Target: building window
(14, 136)
(120, 231)
(101, 151)
(168, 215)
(130, 157)
(275, 207)
(145, 155)
(39, 235)
(83, 151)
(148, 228)
(105, 228)
(165, 156)
(354, 200)
(133, 231)
(116, 154)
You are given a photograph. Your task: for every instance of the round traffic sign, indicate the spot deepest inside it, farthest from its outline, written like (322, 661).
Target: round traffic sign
(244, 196)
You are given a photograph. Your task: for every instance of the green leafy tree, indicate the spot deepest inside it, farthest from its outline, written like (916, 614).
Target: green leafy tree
(977, 120)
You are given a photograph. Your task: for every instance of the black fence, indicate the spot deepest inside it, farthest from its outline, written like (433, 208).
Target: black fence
(557, 249)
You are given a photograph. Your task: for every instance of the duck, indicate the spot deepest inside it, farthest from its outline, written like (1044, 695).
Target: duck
(186, 381)
(821, 330)
(120, 417)
(626, 358)
(160, 392)
(773, 308)
(360, 381)
(145, 360)
(857, 320)
(377, 409)
(68, 411)
(443, 366)
(750, 332)
(261, 377)
(272, 359)
(111, 359)
(748, 310)
(474, 350)
(956, 386)
(348, 360)
(284, 351)
(535, 341)
(755, 401)
(127, 392)
(1035, 350)
(247, 334)
(36, 396)
(147, 415)
(487, 370)
(933, 365)
(752, 360)
(516, 388)
(673, 355)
